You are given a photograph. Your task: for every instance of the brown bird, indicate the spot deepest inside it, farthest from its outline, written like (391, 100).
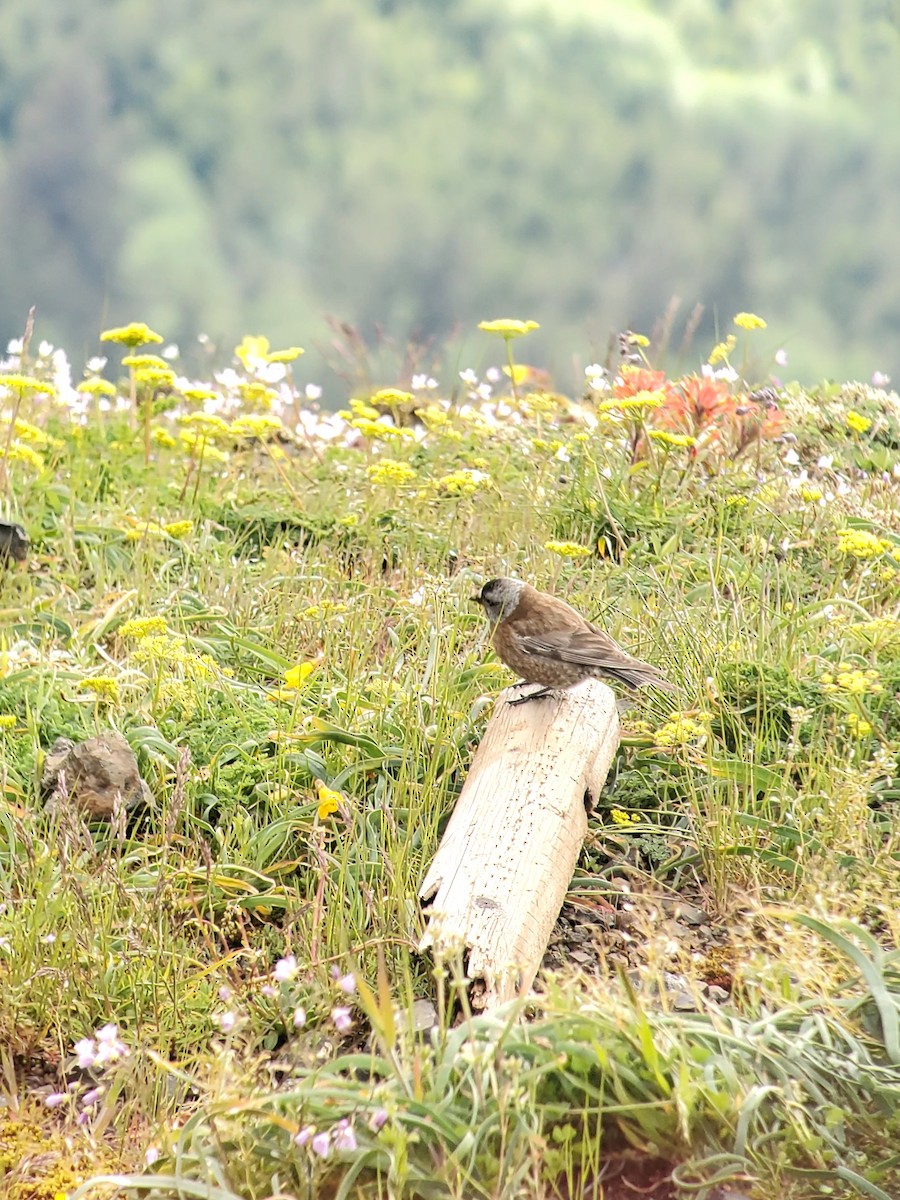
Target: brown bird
(545, 641)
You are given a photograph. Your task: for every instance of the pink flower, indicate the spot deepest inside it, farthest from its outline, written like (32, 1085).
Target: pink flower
(377, 1119)
(321, 1145)
(304, 1136)
(343, 1136)
(299, 1018)
(86, 1053)
(341, 1018)
(55, 1099)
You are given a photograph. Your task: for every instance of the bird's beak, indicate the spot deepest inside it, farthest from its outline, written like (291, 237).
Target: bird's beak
(476, 600)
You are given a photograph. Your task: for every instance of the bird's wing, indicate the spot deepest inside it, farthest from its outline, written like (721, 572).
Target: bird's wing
(594, 650)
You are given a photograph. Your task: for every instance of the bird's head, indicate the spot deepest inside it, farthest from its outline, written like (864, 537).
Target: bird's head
(499, 598)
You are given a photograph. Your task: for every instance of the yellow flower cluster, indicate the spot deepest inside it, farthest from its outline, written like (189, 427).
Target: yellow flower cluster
(31, 435)
(880, 633)
(256, 394)
(175, 529)
(26, 383)
(325, 608)
(683, 730)
(811, 495)
(255, 425)
(391, 473)
(135, 334)
(663, 436)
(146, 362)
(22, 454)
(198, 446)
(171, 651)
(96, 386)
(860, 543)
(508, 327)
(7, 721)
(857, 423)
(373, 430)
(104, 687)
(639, 402)
(721, 351)
(142, 627)
(745, 320)
(851, 680)
(736, 501)
(162, 437)
(464, 483)
(857, 726)
(568, 549)
(621, 817)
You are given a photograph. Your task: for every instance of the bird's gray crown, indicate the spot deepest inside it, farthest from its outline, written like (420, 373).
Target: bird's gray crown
(500, 597)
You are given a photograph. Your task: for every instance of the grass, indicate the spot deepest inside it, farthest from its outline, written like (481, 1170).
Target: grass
(277, 620)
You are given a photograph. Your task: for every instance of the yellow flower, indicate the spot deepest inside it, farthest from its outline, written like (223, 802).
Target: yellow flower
(858, 726)
(96, 387)
(155, 377)
(135, 334)
(638, 402)
(142, 362)
(463, 483)
(380, 429)
(253, 350)
(508, 327)
(568, 549)
(857, 423)
(284, 356)
(104, 687)
(258, 425)
(745, 320)
(518, 373)
(162, 437)
(7, 721)
(178, 529)
(141, 627)
(621, 817)
(296, 677)
(811, 494)
(860, 543)
(26, 383)
(391, 473)
(196, 395)
(391, 398)
(736, 501)
(683, 731)
(683, 440)
(857, 682)
(329, 800)
(23, 454)
(325, 608)
(721, 351)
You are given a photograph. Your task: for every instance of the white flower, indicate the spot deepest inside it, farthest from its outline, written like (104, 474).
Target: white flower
(781, 357)
(469, 378)
(879, 379)
(792, 457)
(285, 969)
(312, 391)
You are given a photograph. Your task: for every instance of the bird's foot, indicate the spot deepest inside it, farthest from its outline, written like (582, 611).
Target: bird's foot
(540, 694)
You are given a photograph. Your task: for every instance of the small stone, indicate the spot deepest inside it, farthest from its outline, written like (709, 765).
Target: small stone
(716, 993)
(581, 956)
(424, 1016)
(99, 773)
(684, 1002)
(690, 914)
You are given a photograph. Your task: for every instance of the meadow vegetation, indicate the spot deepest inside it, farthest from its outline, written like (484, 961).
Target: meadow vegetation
(213, 995)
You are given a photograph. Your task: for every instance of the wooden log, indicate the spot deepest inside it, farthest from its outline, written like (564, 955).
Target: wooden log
(501, 872)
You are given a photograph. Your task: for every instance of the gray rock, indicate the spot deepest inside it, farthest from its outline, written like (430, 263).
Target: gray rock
(99, 774)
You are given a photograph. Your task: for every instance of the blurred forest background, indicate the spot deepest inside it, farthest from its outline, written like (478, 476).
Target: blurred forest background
(244, 166)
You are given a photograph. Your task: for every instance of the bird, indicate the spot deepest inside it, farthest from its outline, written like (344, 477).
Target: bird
(546, 642)
(14, 543)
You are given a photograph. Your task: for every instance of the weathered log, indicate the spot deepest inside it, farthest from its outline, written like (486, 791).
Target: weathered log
(500, 874)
